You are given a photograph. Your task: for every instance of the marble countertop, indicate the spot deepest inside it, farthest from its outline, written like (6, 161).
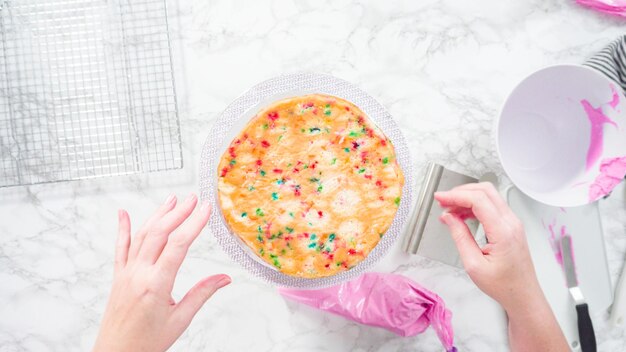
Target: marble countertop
(441, 67)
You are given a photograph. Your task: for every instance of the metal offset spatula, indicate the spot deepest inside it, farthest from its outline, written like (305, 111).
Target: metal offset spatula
(618, 310)
(586, 334)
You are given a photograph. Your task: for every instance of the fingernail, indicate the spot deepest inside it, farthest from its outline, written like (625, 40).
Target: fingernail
(120, 213)
(204, 207)
(190, 198)
(170, 198)
(225, 280)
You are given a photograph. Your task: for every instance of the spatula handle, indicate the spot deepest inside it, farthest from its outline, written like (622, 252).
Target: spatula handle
(585, 329)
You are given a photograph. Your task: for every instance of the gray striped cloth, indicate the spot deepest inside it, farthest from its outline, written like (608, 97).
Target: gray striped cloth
(612, 61)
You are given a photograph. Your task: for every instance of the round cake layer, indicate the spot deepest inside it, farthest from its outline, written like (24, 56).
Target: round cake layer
(310, 185)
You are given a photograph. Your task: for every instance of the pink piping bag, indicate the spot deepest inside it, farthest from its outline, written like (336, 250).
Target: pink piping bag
(388, 301)
(612, 7)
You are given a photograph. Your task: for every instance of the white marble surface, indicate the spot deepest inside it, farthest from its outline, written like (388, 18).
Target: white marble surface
(442, 68)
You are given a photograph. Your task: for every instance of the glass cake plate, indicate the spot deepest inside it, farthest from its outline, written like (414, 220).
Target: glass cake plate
(234, 119)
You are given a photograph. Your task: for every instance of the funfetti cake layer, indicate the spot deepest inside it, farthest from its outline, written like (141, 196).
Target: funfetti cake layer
(310, 185)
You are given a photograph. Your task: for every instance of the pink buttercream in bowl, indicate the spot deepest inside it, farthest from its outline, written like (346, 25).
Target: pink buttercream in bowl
(597, 118)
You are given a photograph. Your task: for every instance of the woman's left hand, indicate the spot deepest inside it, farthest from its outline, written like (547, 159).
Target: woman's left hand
(141, 314)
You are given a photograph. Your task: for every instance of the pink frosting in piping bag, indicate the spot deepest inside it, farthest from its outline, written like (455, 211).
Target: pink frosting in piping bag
(612, 7)
(390, 301)
(597, 120)
(612, 171)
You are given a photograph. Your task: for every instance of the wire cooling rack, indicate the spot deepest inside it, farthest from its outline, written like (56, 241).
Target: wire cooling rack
(86, 90)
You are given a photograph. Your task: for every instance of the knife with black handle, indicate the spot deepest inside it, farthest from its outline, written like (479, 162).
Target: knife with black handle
(586, 335)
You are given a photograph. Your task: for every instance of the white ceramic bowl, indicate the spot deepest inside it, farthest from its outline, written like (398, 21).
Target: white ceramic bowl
(544, 135)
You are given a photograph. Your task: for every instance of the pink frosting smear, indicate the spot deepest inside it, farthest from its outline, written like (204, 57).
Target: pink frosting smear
(615, 100)
(597, 119)
(612, 7)
(612, 172)
(390, 301)
(555, 240)
(556, 234)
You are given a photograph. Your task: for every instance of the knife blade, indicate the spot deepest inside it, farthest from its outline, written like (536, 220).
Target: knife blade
(618, 309)
(586, 335)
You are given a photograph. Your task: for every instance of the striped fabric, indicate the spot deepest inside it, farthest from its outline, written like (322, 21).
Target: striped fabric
(612, 61)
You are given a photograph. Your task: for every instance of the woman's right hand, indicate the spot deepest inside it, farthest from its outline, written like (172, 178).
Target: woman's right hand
(503, 268)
